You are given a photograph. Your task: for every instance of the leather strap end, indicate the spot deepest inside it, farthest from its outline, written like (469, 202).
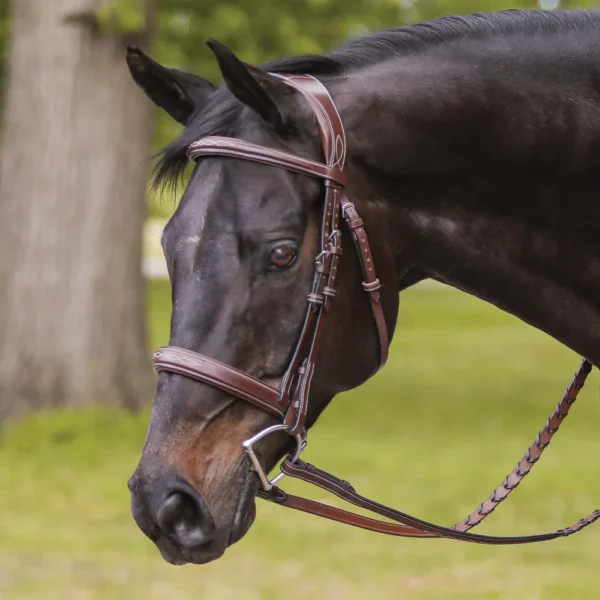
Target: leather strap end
(355, 223)
(299, 467)
(275, 494)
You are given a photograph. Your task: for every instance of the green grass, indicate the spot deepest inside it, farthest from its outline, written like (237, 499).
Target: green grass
(464, 393)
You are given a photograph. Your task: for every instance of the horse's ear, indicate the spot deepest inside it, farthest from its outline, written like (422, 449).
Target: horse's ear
(179, 94)
(265, 94)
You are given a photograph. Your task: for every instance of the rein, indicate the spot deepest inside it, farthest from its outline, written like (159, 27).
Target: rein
(290, 402)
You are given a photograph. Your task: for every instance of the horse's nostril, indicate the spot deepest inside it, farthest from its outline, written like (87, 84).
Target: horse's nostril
(181, 517)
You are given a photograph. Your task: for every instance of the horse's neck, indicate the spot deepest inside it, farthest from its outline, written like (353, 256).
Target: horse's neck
(522, 235)
(545, 277)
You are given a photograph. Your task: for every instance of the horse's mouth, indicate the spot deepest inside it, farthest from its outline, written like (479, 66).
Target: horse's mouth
(245, 511)
(174, 555)
(244, 516)
(223, 532)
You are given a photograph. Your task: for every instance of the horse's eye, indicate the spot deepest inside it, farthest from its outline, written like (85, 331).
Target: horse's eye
(282, 255)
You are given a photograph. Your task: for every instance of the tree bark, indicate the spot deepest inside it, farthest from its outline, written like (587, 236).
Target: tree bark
(73, 174)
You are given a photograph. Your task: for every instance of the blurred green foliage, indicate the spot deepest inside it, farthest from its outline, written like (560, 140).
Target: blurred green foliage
(4, 29)
(433, 434)
(122, 16)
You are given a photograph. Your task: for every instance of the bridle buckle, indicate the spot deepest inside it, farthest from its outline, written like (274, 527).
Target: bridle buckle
(266, 483)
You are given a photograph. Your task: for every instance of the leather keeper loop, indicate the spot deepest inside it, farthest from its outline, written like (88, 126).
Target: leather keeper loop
(371, 287)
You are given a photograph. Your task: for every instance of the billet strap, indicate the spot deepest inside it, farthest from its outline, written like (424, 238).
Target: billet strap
(408, 526)
(319, 299)
(371, 284)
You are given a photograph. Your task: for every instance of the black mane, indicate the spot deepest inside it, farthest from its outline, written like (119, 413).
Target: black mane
(220, 116)
(388, 43)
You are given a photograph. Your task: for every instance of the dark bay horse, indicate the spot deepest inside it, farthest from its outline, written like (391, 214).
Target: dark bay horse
(473, 157)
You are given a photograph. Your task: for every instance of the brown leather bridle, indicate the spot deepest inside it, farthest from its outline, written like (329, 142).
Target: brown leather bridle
(290, 402)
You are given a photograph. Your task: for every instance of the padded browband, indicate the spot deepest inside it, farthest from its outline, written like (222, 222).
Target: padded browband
(224, 146)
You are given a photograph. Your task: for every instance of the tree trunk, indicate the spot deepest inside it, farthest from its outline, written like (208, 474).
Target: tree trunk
(73, 174)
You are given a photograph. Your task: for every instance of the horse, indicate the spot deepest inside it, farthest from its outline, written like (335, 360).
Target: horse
(471, 155)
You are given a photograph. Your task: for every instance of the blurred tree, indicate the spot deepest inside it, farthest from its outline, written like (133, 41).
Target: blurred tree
(73, 171)
(4, 23)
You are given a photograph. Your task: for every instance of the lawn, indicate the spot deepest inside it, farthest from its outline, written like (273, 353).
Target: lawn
(465, 391)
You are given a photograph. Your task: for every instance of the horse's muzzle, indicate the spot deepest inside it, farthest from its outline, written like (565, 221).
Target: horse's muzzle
(178, 520)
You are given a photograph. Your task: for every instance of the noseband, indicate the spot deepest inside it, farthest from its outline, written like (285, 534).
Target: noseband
(289, 403)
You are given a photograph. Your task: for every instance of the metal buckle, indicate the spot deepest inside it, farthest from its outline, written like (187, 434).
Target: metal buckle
(331, 239)
(266, 483)
(322, 255)
(347, 206)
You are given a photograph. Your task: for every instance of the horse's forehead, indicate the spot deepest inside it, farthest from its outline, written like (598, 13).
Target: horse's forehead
(190, 218)
(238, 196)
(235, 193)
